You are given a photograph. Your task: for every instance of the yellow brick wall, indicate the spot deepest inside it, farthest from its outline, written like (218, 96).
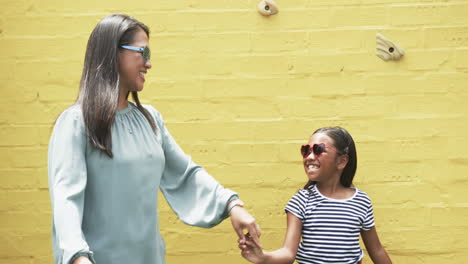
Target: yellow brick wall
(240, 92)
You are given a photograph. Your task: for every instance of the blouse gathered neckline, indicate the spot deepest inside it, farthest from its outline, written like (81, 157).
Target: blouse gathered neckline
(131, 106)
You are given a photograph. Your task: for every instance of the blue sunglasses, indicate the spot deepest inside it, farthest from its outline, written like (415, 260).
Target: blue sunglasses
(145, 52)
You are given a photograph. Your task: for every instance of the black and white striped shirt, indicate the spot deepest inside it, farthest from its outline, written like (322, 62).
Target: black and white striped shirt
(330, 227)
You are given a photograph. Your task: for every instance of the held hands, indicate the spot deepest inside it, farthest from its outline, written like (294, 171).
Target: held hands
(249, 243)
(241, 220)
(250, 251)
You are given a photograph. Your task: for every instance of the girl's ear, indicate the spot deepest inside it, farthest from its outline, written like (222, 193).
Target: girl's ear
(342, 161)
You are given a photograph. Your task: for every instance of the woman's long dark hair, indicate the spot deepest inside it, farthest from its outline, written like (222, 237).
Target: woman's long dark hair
(99, 86)
(344, 144)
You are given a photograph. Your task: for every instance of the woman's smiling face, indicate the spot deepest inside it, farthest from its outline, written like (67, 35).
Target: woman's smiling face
(132, 66)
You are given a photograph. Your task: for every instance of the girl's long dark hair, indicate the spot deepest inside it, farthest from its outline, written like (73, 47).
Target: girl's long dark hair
(99, 85)
(344, 144)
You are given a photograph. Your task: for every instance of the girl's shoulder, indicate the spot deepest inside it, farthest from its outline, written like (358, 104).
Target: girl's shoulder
(362, 195)
(302, 194)
(359, 191)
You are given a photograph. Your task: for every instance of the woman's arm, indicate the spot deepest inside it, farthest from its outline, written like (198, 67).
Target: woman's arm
(193, 194)
(284, 255)
(374, 247)
(67, 182)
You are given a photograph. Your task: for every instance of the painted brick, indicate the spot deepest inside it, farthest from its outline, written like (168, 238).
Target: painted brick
(21, 201)
(277, 42)
(18, 179)
(461, 57)
(336, 40)
(419, 14)
(430, 60)
(359, 16)
(46, 25)
(448, 37)
(457, 14)
(295, 19)
(49, 73)
(22, 113)
(210, 110)
(19, 136)
(44, 49)
(27, 157)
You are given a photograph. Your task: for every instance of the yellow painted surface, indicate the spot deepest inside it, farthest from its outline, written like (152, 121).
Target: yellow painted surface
(240, 92)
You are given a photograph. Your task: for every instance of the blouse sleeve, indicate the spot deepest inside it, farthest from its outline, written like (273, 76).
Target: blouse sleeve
(67, 182)
(194, 195)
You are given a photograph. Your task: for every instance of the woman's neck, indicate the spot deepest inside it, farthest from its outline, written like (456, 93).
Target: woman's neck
(122, 105)
(123, 102)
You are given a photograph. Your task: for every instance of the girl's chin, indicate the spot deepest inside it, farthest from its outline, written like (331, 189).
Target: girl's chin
(312, 175)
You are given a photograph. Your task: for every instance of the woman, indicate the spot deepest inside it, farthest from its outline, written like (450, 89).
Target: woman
(108, 157)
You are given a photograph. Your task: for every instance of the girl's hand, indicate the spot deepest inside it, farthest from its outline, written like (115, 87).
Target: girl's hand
(250, 250)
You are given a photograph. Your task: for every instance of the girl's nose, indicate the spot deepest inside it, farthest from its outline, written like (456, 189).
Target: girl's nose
(310, 156)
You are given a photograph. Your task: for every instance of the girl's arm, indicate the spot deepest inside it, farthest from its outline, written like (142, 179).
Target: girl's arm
(374, 247)
(284, 255)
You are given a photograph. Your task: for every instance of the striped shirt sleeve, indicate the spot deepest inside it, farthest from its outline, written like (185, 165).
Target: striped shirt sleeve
(369, 218)
(297, 204)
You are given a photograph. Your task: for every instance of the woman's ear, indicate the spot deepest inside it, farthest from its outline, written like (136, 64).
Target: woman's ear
(342, 161)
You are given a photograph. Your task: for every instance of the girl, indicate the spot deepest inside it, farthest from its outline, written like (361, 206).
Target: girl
(328, 214)
(108, 157)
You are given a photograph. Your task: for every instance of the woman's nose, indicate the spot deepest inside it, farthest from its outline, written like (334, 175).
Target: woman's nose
(148, 64)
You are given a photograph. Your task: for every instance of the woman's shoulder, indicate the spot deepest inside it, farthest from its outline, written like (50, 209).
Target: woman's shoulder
(73, 112)
(153, 111)
(69, 121)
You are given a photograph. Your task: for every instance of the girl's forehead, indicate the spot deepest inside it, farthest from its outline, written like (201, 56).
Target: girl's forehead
(320, 138)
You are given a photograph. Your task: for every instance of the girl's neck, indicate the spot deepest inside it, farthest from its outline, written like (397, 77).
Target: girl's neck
(334, 190)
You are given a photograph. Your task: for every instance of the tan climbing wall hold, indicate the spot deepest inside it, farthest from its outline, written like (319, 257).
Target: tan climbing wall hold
(387, 50)
(267, 7)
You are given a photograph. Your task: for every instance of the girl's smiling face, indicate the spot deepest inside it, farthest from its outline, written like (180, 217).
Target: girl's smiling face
(327, 164)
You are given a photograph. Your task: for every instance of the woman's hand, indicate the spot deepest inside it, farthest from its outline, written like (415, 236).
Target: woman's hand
(82, 260)
(241, 220)
(251, 252)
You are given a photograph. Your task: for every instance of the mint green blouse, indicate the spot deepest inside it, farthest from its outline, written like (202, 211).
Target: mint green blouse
(107, 207)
